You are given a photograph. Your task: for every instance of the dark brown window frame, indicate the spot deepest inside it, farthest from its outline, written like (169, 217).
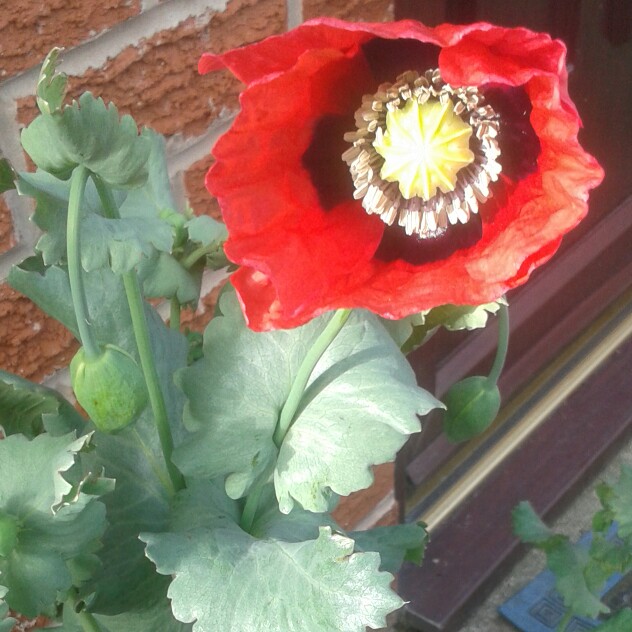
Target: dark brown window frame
(569, 313)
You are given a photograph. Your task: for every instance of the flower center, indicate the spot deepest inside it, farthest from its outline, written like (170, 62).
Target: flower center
(423, 153)
(424, 147)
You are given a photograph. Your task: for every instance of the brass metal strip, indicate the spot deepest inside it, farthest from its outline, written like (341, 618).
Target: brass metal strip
(535, 416)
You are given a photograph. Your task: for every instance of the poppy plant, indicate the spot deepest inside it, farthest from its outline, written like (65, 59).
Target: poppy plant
(395, 167)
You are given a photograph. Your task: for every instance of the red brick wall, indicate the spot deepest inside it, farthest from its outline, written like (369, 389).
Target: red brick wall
(142, 55)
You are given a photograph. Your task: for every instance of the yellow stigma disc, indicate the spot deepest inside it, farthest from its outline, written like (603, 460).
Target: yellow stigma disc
(424, 146)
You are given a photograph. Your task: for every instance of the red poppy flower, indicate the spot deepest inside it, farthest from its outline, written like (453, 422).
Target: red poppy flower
(313, 231)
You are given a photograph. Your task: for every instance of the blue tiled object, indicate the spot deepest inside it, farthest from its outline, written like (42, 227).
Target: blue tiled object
(538, 607)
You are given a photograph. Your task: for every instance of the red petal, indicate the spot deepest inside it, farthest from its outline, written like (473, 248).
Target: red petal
(277, 225)
(300, 260)
(279, 53)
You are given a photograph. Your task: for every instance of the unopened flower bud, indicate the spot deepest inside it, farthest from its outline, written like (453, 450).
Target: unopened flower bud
(111, 387)
(471, 406)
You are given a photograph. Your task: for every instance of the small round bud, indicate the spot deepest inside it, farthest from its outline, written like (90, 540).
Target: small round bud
(111, 388)
(471, 406)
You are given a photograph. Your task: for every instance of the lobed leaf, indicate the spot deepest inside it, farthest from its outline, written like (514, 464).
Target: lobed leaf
(132, 457)
(151, 617)
(58, 523)
(205, 230)
(528, 526)
(620, 502)
(359, 407)
(395, 544)
(163, 275)
(412, 331)
(116, 243)
(577, 578)
(121, 244)
(225, 579)
(6, 622)
(29, 409)
(91, 134)
(51, 85)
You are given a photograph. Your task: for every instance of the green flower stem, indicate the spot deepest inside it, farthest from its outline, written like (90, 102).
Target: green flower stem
(87, 621)
(77, 190)
(156, 398)
(503, 344)
(141, 333)
(304, 372)
(174, 314)
(197, 254)
(290, 407)
(250, 509)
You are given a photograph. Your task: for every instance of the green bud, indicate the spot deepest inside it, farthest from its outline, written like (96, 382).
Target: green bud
(177, 221)
(111, 388)
(8, 534)
(472, 405)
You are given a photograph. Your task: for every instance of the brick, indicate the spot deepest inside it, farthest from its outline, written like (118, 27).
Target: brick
(28, 30)
(355, 10)
(357, 505)
(198, 319)
(7, 240)
(32, 344)
(24, 625)
(157, 81)
(390, 518)
(200, 200)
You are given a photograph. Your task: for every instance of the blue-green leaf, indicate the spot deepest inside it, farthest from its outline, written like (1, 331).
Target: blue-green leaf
(163, 276)
(7, 176)
(412, 331)
(51, 85)
(528, 526)
(207, 547)
(620, 502)
(225, 579)
(28, 409)
(360, 406)
(577, 578)
(133, 457)
(58, 523)
(91, 134)
(116, 243)
(121, 244)
(6, 622)
(395, 544)
(150, 617)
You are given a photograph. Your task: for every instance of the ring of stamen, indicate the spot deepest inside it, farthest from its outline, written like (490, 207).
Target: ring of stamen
(426, 218)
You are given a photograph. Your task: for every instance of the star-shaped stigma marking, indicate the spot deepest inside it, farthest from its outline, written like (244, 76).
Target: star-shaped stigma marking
(424, 146)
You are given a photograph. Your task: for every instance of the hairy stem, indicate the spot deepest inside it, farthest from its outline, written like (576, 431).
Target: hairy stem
(304, 372)
(503, 344)
(77, 190)
(143, 342)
